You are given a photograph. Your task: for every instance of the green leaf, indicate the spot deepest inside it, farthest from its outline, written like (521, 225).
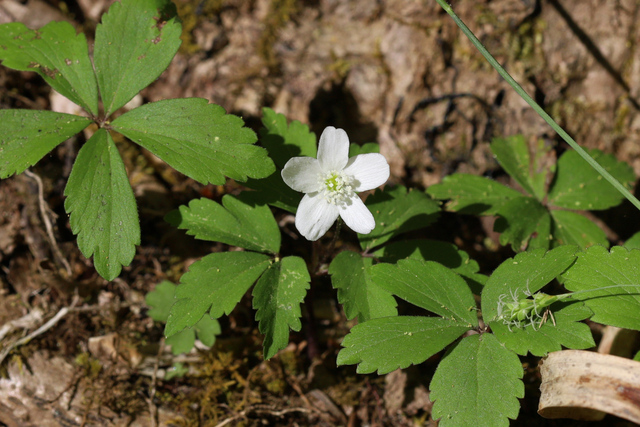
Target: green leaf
(472, 194)
(565, 329)
(177, 370)
(477, 383)
(196, 138)
(26, 136)
(220, 279)
(55, 52)
(445, 253)
(570, 228)
(277, 297)
(388, 343)
(527, 271)
(519, 219)
(429, 285)
(369, 147)
(397, 211)
(102, 207)
(532, 174)
(578, 186)
(135, 43)
(633, 242)
(359, 295)
(273, 191)
(597, 268)
(284, 142)
(160, 300)
(206, 329)
(235, 222)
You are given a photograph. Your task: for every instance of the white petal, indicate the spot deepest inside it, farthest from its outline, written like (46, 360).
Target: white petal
(333, 149)
(370, 171)
(302, 174)
(315, 216)
(357, 216)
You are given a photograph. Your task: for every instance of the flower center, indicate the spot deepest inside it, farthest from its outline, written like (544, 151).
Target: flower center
(337, 187)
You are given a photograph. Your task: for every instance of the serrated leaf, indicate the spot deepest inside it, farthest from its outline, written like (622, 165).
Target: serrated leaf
(286, 141)
(565, 329)
(429, 285)
(102, 207)
(207, 329)
(182, 342)
(369, 147)
(276, 299)
(235, 222)
(532, 174)
(524, 223)
(633, 242)
(197, 138)
(273, 191)
(477, 383)
(26, 136)
(388, 343)
(528, 271)
(160, 300)
(471, 194)
(397, 211)
(359, 295)
(570, 228)
(135, 43)
(597, 268)
(57, 54)
(578, 186)
(215, 282)
(445, 253)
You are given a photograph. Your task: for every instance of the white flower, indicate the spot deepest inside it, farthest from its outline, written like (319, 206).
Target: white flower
(331, 182)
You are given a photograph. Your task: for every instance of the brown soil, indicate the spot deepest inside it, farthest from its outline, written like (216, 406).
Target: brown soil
(398, 72)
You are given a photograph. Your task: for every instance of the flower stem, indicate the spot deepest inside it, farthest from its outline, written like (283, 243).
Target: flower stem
(564, 135)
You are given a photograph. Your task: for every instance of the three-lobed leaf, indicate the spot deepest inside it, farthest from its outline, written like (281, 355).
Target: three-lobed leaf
(428, 285)
(134, 44)
(597, 268)
(276, 299)
(397, 211)
(26, 136)
(57, 54)
(197, 138)
(235, 222)
(389, 343)
(477, 383)
(102, 206)
(215, 283)
(359, 295)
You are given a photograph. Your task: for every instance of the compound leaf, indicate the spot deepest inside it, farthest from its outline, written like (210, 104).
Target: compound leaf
(102, 207)
(57, 54)
(477, 383)
(597, 268)
(578, 186)
(532, 174)
(359, 295)
(135, 43)
(429, 285)
(235, 222)
(197, 138)
(277, 297)
(286, 141)
(524, 223)
(216, 282)
(570, 228)
(388, 343)
(471, 194)
(26, 136)
(397, 211)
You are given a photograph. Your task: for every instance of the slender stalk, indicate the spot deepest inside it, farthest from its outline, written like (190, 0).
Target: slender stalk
(547, 118)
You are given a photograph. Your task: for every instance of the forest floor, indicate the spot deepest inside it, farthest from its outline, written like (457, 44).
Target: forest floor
(396, 72)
